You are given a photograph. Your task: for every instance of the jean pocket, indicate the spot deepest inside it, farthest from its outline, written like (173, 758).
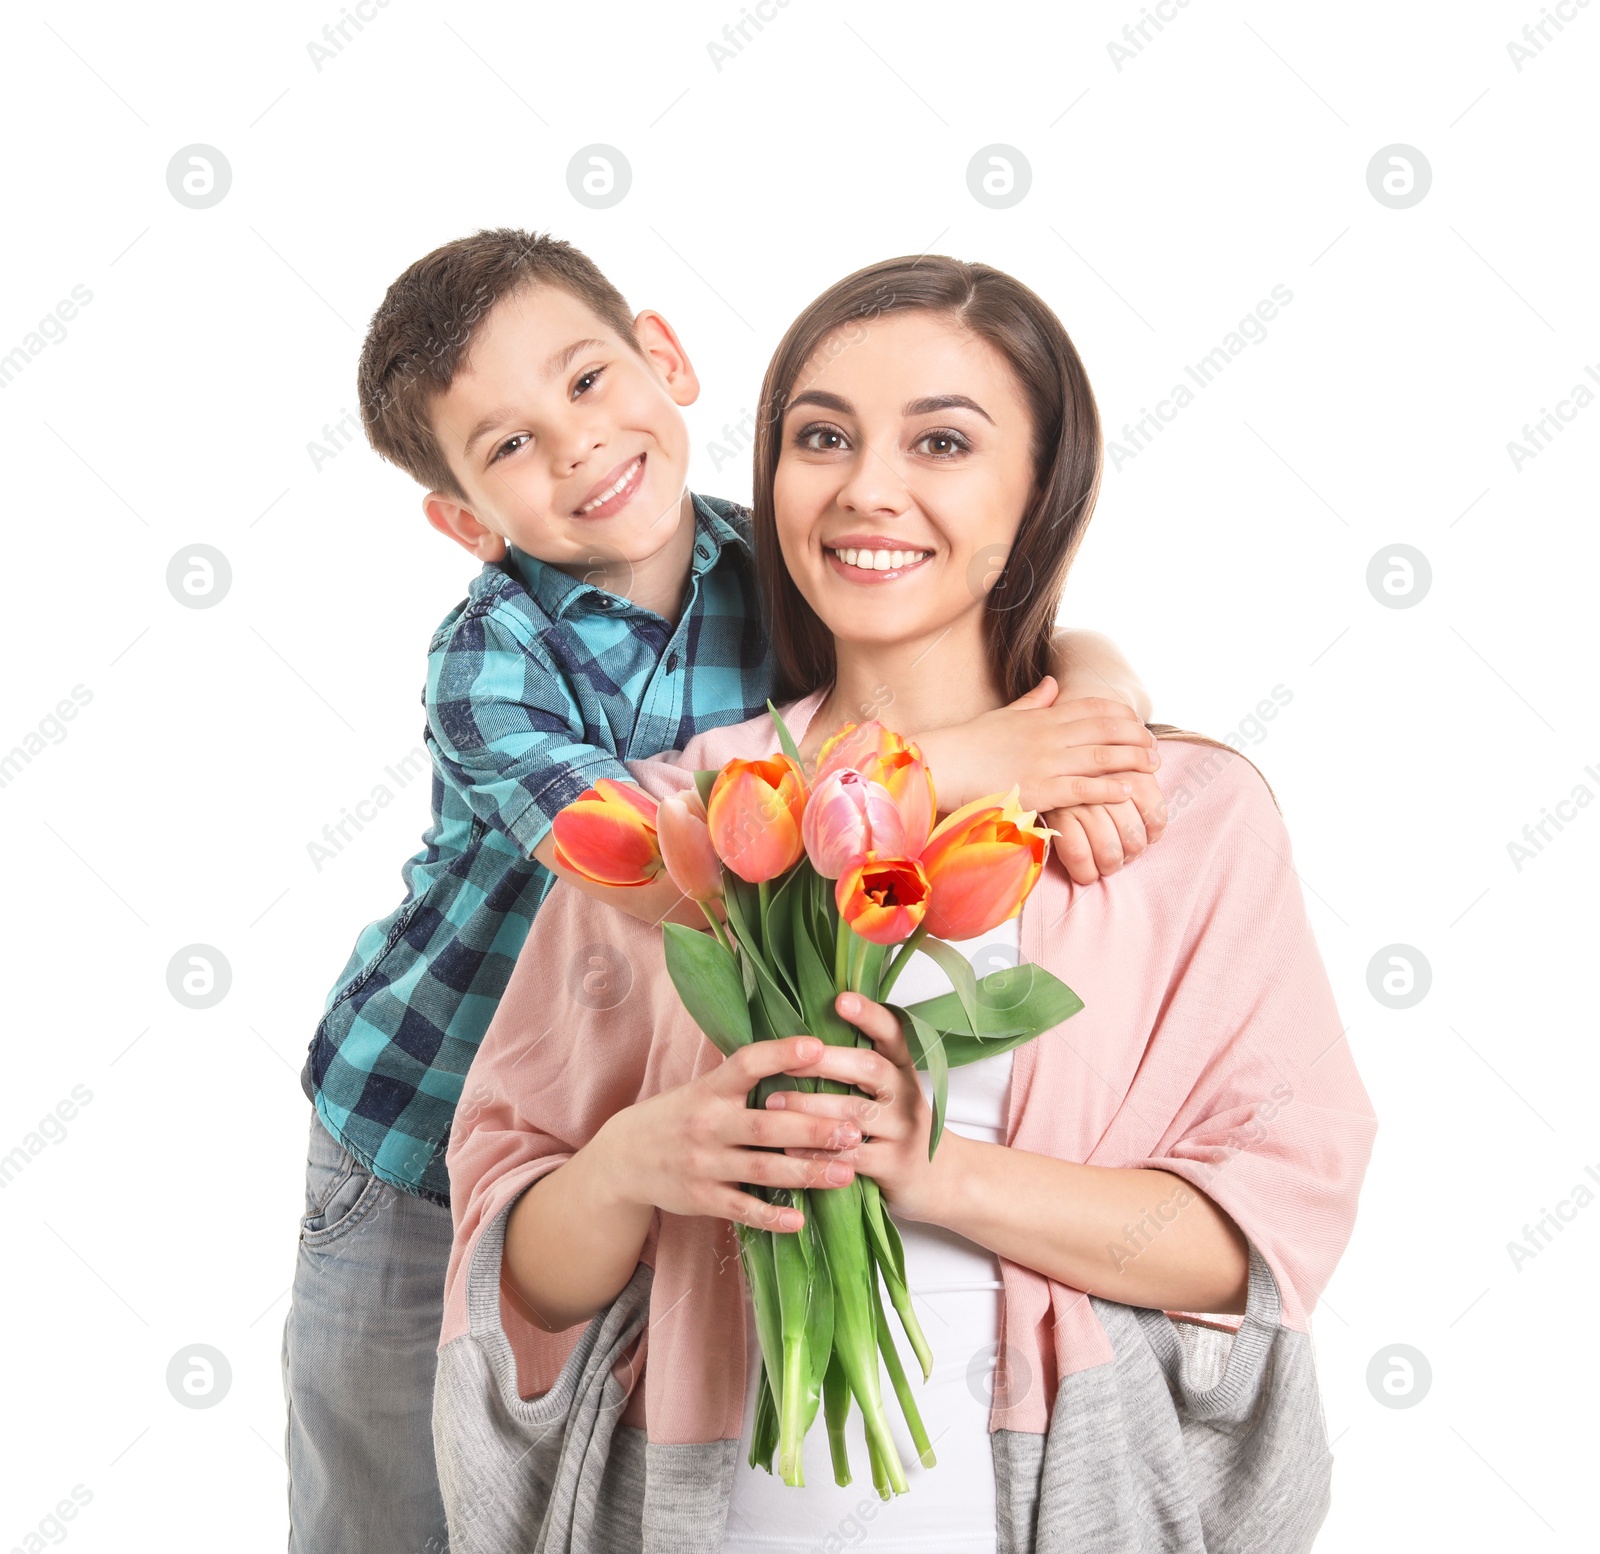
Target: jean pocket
(340, 1191)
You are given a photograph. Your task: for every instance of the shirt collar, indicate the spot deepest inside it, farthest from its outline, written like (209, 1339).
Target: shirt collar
(557, 591)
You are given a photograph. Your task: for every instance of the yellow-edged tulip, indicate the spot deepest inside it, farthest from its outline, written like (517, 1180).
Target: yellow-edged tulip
(608, 835)
(981, 861)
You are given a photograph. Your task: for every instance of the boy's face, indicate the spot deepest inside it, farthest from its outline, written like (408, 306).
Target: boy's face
(567, 441)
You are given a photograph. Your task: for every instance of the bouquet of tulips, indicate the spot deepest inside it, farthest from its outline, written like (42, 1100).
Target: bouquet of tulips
(825, 886)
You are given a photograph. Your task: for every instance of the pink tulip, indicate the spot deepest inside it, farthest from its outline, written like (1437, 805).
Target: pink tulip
(882, 756)
(847, 817)
(685, 841)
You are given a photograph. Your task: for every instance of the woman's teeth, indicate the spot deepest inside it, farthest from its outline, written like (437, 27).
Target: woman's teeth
(622, 480)
(881, 560)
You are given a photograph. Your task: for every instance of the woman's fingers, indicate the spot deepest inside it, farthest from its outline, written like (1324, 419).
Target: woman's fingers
(747, 1209)
(878, 1022)
(779, 1168)
(793, 1127)
(760, 1060)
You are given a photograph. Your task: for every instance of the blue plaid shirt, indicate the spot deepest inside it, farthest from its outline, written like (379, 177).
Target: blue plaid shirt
(537, 685)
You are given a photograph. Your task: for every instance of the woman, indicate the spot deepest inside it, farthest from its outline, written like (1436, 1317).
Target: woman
(1192, 1141)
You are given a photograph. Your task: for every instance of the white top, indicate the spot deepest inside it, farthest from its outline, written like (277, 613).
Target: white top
(955, 1285)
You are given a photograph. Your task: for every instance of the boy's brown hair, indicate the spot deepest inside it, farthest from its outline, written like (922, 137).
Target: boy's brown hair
(421, 333)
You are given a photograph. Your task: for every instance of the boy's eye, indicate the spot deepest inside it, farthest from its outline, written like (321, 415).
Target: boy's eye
(587, 381)
(820, 438)
(510, 445)
(944, 444)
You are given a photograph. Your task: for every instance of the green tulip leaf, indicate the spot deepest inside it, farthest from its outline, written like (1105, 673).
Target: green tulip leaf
(709, 983)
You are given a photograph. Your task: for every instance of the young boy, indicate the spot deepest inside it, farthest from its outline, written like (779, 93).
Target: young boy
(615, 617)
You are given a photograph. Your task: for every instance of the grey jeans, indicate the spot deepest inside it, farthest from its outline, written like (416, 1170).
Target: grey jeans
(359, 1349)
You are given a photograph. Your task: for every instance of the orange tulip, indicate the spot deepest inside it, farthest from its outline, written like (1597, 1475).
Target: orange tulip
(882, 899)
(608, 835)
(882, 756)
(981, 862)
(686, 847)
(754, 816)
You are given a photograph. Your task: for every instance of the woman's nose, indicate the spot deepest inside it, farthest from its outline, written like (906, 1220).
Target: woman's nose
(874, 485)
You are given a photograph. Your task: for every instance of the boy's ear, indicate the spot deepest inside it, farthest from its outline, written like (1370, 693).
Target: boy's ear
(463, 526)
(665, 351)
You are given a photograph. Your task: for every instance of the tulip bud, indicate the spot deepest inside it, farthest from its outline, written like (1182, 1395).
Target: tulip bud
(847, 817)
(608, 835)
(882, 756)
(754, 817)
(882, 899)
(686, 849)
(980, 863)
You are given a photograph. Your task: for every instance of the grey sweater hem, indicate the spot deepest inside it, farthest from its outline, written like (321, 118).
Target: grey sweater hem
(1188, 1441)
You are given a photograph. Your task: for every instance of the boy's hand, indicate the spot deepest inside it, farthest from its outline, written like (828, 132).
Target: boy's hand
(1087, 765)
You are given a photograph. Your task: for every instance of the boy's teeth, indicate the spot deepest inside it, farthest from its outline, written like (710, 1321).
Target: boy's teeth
(605, 496)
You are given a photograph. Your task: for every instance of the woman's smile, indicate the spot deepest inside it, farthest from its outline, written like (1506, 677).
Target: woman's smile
(874, 559)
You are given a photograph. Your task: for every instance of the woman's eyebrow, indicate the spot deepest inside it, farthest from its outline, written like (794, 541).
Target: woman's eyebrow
(823, 401)
(944, 402)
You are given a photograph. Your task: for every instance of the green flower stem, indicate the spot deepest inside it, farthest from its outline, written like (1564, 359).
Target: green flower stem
(897, 1375)
(841, 956)
(836, 1410)
(718, 929)
(794, 1301)
(858, 962)
(906, 951)
(840, 1217)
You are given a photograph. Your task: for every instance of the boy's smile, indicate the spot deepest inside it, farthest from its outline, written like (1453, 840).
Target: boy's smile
(568, 443)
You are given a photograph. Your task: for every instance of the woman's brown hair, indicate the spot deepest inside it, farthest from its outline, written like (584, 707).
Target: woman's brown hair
(1020, 608)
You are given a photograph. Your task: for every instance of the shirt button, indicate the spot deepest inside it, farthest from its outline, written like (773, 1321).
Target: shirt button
(672, 663)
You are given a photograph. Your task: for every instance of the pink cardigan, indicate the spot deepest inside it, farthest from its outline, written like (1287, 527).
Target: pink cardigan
(1208, 1046)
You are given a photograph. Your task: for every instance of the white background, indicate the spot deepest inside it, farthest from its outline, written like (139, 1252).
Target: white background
(1230, 558)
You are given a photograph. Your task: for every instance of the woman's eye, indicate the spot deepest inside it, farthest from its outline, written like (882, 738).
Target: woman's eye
(820, 439)
(510, 445)
(587, 381)
(943, 445)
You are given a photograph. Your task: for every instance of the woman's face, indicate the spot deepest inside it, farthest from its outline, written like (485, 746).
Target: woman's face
(903, 473)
